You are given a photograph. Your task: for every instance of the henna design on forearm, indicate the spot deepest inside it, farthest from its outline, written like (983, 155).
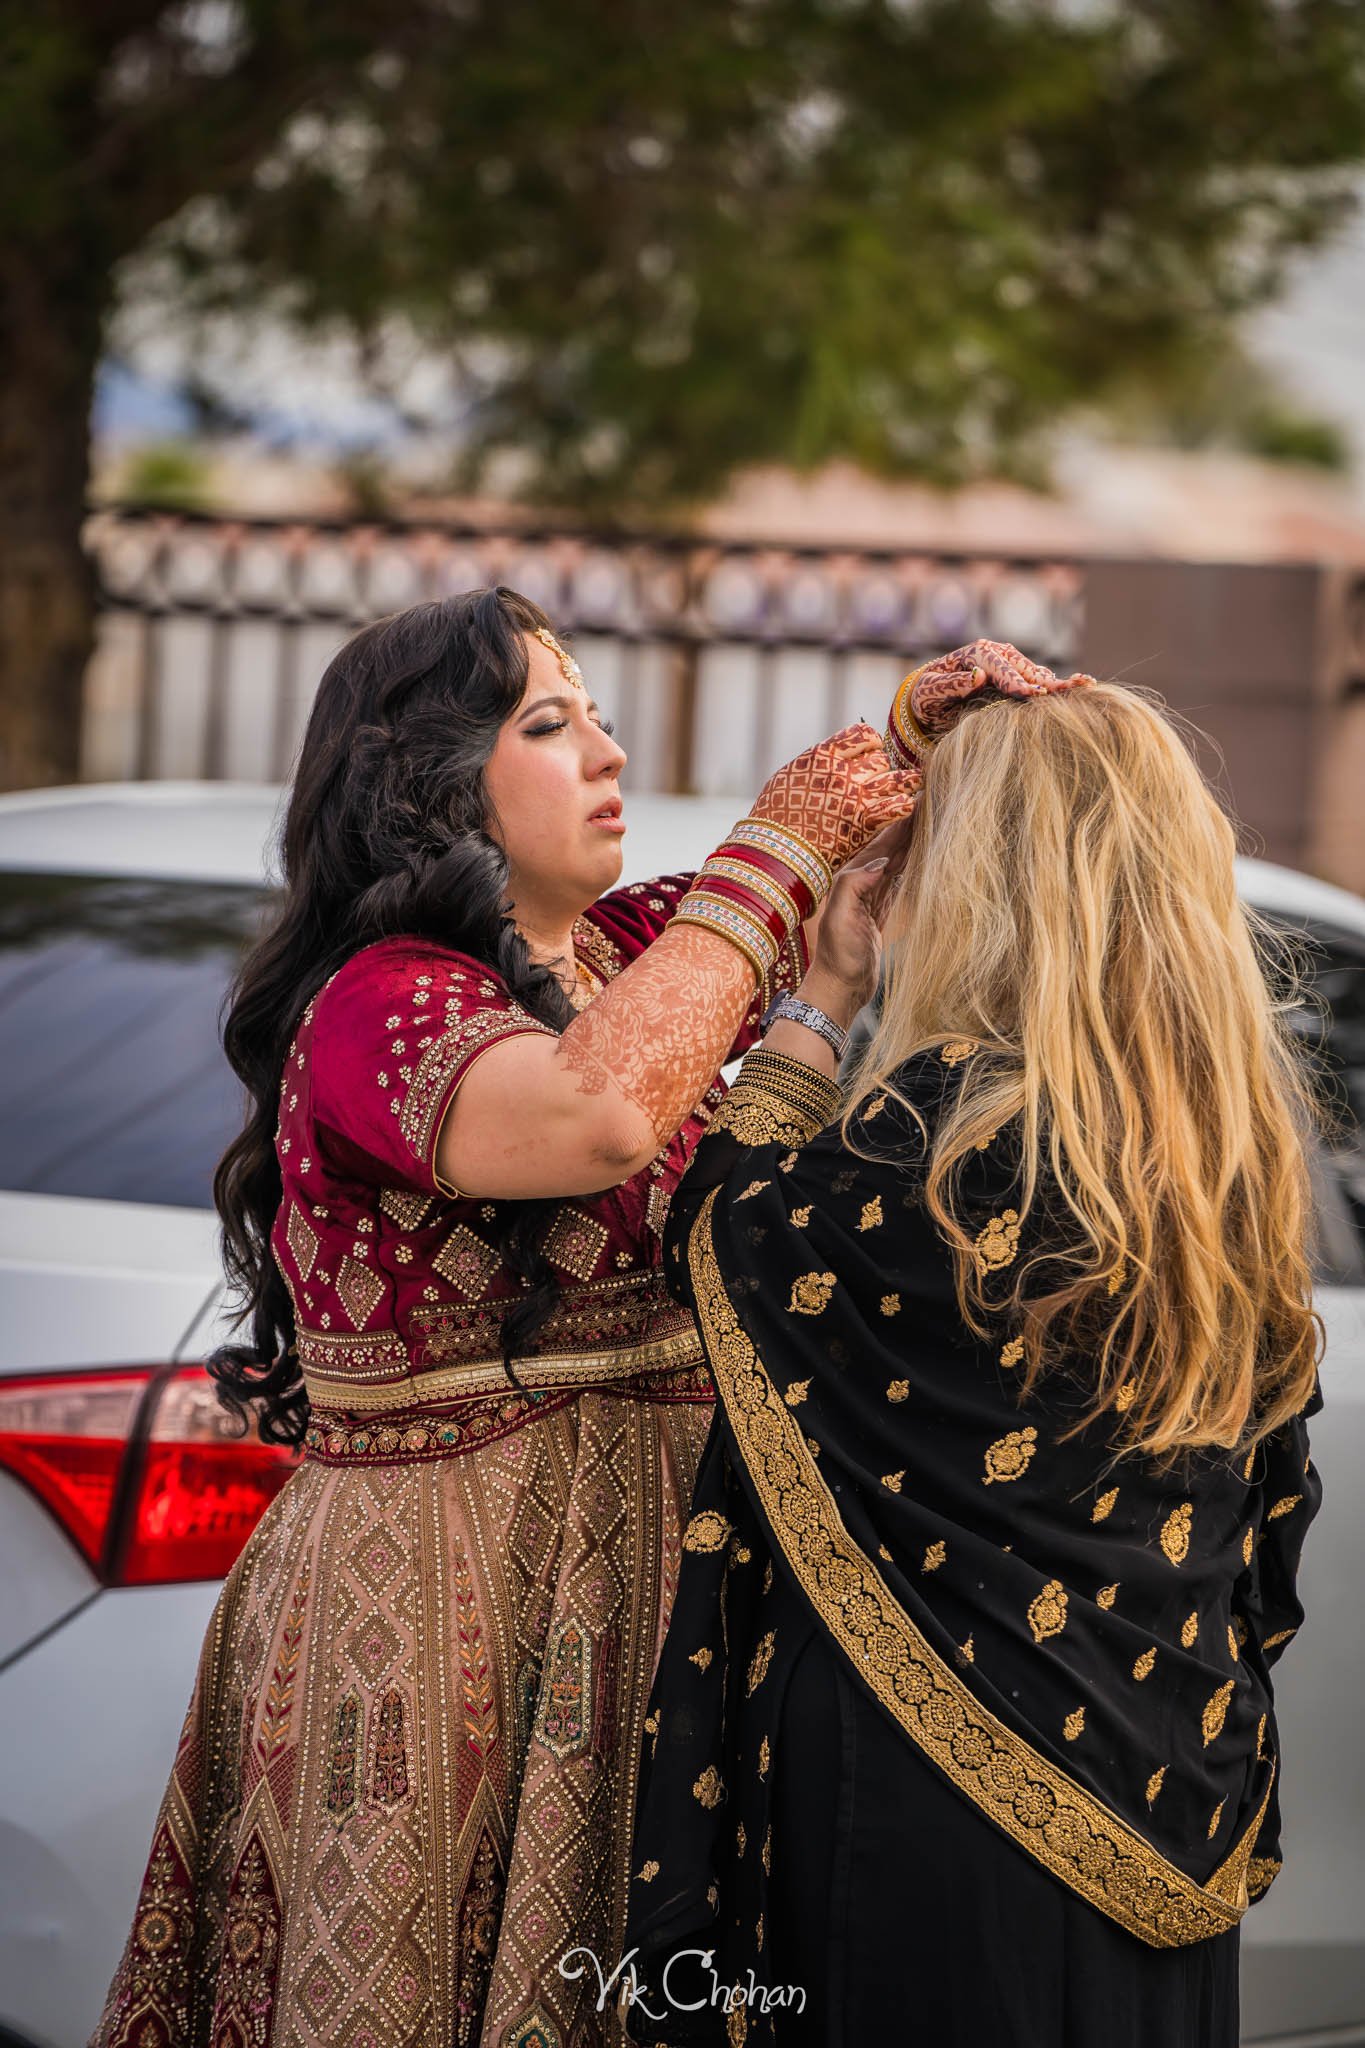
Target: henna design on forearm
(659, 1032)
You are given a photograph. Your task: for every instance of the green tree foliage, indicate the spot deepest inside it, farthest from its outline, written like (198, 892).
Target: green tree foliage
(658, 242)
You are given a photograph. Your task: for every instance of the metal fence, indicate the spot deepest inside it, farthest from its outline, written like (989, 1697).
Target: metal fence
(716, 660)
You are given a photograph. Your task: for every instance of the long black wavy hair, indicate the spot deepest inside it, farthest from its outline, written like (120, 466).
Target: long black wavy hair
(385, 833)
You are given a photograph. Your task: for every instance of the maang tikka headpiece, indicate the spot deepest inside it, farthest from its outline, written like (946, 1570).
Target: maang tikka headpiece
(573, 674)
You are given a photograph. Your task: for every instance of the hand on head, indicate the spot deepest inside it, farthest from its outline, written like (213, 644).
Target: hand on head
(931, 698)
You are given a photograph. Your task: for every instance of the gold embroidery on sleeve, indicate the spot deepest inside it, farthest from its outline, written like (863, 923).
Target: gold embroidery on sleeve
(872, 1214)
(701, 1658)
(891, 1304)
(799, 1218)
(898, 1390)
(1103, 1505)
(1143, 1665)
(934, 1556)
(1189, 1629)
(1013, 1351)
(1285, 1506)
(1106, 1595)
(1074, 1724)
(894, 1480)
(1217, 1816)
(796, 1393)
(1246, 1545)
(1154, 1784)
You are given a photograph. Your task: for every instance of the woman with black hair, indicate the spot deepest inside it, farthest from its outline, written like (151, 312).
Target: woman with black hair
(406, 1781)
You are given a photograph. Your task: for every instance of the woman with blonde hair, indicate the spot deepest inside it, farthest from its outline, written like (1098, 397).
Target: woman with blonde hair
(964, 1723)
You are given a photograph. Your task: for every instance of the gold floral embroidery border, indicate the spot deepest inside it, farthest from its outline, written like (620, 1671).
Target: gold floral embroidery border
(1070, 1832)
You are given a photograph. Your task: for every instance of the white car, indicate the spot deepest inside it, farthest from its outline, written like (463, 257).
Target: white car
(124, 1497)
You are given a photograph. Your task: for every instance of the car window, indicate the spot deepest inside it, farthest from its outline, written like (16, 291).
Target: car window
(113, 1080)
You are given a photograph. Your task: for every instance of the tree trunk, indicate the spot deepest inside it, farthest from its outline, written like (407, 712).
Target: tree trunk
(49, 348)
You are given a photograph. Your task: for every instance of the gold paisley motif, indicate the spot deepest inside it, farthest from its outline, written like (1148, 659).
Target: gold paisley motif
(1144, 1663)
(1048, 1813)
(967, 1651)
(874, 1108)
(1246, 1545)
(1125, 1396)
(899, 1390)
(934, 1556)
(764, 1757)
(1107, 1595)
(1189, 1629)
(759, 1662)
(647, 1872)
(1073, 1724)
(796, 1393)
(956, 1050)
(1154, 1784)
(1175, 1532)
(1233, 1650)
(894, 1480)
(891, 1304)
(1047, 1611)
(1008, 1457)
(1217, 1816)
(755, 1187)
(872, 1214)
(1013, 1351)
(799, 1218)
(709, 1788)
(1285, 1506)
(1117, 1277)
(998, 1243)
(707, 1531)
(701, 1658)
(1281, 1635)
(1216, 1711)
(810, 1294)
(1104, 1504)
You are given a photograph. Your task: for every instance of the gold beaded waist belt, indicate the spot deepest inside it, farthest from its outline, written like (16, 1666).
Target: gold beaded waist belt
(414, 1434)
(622, 1329)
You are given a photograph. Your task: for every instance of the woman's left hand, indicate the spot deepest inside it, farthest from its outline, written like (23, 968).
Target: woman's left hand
(848, 945)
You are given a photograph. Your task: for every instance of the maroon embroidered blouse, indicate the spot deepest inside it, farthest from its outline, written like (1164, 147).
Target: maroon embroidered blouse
(397, 1283)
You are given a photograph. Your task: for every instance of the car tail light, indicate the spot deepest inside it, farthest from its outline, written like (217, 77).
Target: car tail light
(140, 1467)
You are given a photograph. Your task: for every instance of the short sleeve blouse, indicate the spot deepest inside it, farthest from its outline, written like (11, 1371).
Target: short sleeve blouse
(395, 1031)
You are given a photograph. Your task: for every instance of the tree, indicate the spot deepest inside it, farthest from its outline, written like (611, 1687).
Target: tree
(657, 242)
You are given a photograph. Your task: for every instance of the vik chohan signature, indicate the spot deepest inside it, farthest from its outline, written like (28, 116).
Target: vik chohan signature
(625, 1981)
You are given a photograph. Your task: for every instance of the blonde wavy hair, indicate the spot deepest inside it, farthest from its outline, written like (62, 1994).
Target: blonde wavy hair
(1069, 901)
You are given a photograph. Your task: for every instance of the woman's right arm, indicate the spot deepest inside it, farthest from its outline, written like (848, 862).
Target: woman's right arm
(544, 1115)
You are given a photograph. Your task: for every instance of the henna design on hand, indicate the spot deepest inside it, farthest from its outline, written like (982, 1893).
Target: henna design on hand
(942, 686)
(839, 794)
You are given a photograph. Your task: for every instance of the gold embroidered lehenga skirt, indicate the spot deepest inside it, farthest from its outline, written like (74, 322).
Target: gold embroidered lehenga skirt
(407, 1778)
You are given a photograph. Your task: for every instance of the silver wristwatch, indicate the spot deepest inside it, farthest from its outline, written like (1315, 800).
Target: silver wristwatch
(814, 1020)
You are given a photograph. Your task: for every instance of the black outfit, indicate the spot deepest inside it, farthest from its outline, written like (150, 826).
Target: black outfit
(964, 1729)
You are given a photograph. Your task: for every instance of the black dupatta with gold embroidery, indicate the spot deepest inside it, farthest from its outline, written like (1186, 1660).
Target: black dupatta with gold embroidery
(1081, 1646)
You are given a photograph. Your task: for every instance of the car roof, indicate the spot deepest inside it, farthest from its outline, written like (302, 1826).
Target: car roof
(229, 832)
